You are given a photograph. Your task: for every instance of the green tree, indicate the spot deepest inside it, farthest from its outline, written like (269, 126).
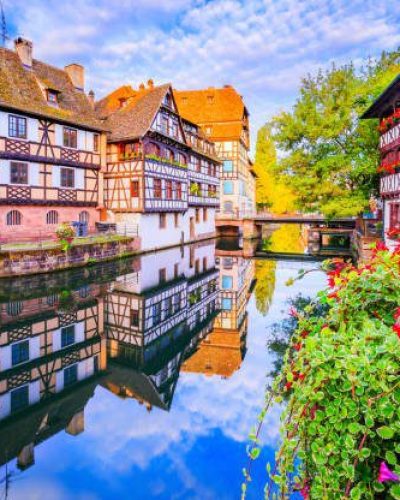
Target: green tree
(271, 192)
(330, 155)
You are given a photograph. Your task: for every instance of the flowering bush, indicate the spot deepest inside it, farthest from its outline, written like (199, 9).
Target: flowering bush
(341, 426)
(65, 233)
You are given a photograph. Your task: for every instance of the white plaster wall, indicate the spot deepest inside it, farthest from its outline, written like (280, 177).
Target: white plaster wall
(31, 123)
(201, 227)
(79, 336)
(85, 138)
(5, 399)
(79, 176)
(33, 173)
(5, 352)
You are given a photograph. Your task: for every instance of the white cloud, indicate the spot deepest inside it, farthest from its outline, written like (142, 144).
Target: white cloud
(262, 47)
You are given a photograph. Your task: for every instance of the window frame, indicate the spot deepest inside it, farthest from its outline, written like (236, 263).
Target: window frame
(70, 170)
(21, 358)
(17, 127)
(19, 164)
(163, 220)
(228, 191)
(74, 369)
(157, 188)
(134, 188)
(70, 137)
(67, 336)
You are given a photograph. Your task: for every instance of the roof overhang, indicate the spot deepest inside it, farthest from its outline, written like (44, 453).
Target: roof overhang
(383, 101)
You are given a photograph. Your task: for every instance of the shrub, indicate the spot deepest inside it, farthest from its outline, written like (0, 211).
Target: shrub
(341, 374)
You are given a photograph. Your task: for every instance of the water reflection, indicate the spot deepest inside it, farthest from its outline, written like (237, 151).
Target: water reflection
(102, 343)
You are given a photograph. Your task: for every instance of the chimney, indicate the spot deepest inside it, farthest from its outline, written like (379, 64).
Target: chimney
(150, 83)
(141, 86)
(91, 98)
(24, 50)
(77, 74)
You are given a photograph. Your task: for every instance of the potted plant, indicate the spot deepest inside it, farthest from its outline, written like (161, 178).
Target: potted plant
(65, 234)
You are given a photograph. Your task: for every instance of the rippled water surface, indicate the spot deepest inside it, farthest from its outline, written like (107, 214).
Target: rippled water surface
(142, 378)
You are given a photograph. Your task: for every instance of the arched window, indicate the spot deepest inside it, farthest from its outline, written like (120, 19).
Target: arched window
(14, 308)
(84, 217)
(153, 149)
(14, 218)
(182, 159)
(52, 217)
(170, 155)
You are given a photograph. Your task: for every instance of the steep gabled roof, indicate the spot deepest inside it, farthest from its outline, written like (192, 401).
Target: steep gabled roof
(135, 118)
(21, 90)
(211, 105)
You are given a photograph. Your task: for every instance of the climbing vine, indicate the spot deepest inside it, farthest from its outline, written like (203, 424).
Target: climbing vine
(340, 434)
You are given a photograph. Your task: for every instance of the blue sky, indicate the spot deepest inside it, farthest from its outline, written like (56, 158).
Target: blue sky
(262, 47)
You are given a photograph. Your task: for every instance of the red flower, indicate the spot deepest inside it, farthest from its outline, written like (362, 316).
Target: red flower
(396, 329)
(288, 386)
(297, 347)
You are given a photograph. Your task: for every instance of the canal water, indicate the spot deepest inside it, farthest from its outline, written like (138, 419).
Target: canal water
(141, 379)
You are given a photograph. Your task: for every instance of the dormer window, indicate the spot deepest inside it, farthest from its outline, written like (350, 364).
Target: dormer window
(168, 100)
(52, 96)
(123, 102)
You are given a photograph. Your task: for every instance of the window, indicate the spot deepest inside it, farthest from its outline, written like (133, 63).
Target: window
(176, 220)
(205, 215)
(176, 271)
(168, 189)
(134, 189)
(163, 221)
(52, 96)
(178, 189)
(70, 375)
(20, 352)
(153, 149)
(228, 207)
(157, 188)
(14, 218)
(182, 159)
(210, 99)
(96, 143)
(17, 126)
(134, 317)
(52, 217)
(18, 173)
(227, 282)
(162, 275)
(228, 166)
(395, 216)
(84, 217)
(67, 177)
(228, 187)
(197, 266)
(14, 308)
(129, 150)
(19, 398)
(67, 335)
(204, 264)
(170, 155)
(70, 137)
(197, 212)
(226, 304)
(156, 313)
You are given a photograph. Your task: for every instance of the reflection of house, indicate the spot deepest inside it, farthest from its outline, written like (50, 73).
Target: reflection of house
(50, 350)
(221, 352)
(154, 318)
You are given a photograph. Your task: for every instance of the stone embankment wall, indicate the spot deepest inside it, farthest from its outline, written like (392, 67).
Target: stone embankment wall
(23, 262)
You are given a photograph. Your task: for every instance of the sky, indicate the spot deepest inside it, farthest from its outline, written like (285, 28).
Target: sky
(261, 47)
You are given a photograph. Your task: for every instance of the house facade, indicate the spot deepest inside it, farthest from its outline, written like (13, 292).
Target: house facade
(386, 109)
(162, 176)
(224, 119)
(52, 146)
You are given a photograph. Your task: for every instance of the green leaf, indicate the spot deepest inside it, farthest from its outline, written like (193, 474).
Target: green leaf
(385, 432)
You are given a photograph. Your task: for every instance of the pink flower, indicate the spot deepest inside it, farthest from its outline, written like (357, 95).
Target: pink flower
(385, 474)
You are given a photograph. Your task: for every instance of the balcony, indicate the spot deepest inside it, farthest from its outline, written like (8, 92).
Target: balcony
(14, 149)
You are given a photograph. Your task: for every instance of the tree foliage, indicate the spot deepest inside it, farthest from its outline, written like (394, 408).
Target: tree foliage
(271, 192)
(329, 155)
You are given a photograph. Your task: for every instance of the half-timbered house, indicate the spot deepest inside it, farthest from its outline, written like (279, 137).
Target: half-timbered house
(386, 109)
(162, 176)
(224, 119)
(52, 146)
(154, 319)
